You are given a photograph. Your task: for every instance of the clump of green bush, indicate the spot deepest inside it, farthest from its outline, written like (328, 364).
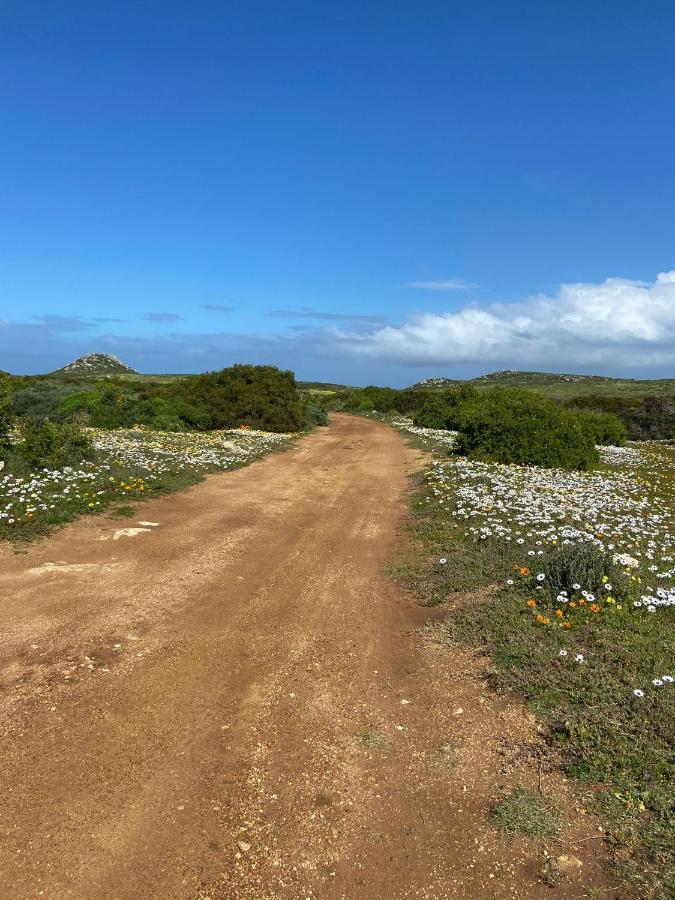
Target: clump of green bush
(585, 565)
(5, 415)
(316, 414)
(262, 397)
(444, 409)
(49, 445)
(605, 427)
(512, 426)
(650, 418)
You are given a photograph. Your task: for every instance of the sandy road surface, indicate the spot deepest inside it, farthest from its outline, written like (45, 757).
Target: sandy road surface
(213, 707)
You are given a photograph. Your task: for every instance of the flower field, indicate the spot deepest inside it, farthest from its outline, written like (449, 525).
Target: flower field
(129, 464)
(576, 573)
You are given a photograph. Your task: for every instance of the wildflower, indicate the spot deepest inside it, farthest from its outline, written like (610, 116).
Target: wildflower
(577, 587)
(562, 653)
(667, 678)
(638, 692)
(531, 602)
(595, 607)
(579, 658)
(541, 576)
(442, 561)
(559, 613)
(509, 580)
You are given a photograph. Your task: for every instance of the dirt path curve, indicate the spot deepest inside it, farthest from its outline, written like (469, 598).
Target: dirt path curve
(213, 707)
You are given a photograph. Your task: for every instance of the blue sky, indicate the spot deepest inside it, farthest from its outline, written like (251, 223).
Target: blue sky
(364, 192)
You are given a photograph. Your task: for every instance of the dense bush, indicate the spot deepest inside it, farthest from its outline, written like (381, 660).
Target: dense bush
(512, 426)
(5, 424)
(381, 400)
(47, 445)
(42, 400)
(260, 396)
(316, 414)
(650, 418)
(605, 427)
(445, 408)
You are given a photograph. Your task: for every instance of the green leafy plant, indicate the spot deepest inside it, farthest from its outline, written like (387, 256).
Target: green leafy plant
(47, 445)
(512, 426)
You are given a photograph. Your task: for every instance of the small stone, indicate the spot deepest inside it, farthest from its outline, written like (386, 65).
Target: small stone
(458, 711)
(568, 863)
(243, 846)
(405, 702)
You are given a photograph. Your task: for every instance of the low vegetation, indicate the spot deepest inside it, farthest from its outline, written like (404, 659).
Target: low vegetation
(86, 439)
(119, 467)
(524, 812)
(571, 578)
(261, 397)
(622, 409)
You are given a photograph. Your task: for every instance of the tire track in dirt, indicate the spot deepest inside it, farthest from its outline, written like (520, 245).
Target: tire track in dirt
(212, 707)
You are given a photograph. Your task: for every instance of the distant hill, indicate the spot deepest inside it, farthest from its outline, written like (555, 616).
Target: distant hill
(513, 377)
(433, 384)
(560, 385)
(96, 364)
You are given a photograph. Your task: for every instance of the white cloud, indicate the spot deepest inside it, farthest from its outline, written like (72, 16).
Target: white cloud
(616, 324)
(450, 284)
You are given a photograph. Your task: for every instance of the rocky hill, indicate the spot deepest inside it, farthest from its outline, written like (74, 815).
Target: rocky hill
(96, 364)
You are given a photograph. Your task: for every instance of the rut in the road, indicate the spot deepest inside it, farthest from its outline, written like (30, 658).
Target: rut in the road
(214, 705)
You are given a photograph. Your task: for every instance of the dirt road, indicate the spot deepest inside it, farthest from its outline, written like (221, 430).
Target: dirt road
(228, 703)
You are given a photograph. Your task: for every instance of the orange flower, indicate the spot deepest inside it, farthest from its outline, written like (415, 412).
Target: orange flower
(566, 624)
(531, 602)
(524, 570)
(559, 613)
(582, 602)
(543, 620)
(595, 607)
(572, 604)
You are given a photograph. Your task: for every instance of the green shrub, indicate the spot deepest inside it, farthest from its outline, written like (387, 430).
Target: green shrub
(521, 427)
(5, 425)
(43, 400)
(47, 445)
(316, 415)
(582, 564)
(445, 409)
(605, 427)
(650, 418)
(260, 396)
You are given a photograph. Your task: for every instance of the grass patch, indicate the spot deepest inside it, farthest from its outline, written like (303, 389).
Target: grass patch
(123, 512)
(374, 739)
(524, 812)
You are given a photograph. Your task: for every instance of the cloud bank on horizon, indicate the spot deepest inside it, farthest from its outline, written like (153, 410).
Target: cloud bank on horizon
(617, 326)
(618, 323)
